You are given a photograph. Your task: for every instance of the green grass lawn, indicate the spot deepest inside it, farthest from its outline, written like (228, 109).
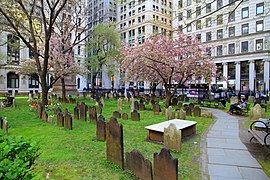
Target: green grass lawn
(75, 154)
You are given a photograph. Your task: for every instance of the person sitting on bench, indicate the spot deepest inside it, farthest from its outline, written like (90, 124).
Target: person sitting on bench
(236, 107)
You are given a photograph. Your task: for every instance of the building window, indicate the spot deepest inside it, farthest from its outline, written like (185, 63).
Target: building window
(245, 29)
(180, 28)
(79, 50)
(13, 48)
(208, 22)
(198, 11)
(259, 26)
(219, 50)
(180, 3)
(231, 48)
(199, 37)
(231, 31)
(259, 44)
(219, 19)
(208, 51)
(244, 46)
(245, 13)
(188, 2)
(198, 25)
(259, 8)
(220, 34)
(12, 80)
(189, 13)
(189, 28)
(208, 8)
(231, 70)
(232, 2)
(219, 4)
(232, 16)
(208, 36)
(33, 81)
(78, 83)
(180, 17)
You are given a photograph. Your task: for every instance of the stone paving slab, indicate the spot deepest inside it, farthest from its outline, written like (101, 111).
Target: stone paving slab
(225, 143)
(252, 173)
(232, 157)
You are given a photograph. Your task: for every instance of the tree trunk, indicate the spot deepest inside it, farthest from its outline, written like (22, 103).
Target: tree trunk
(63, 89)
(168, 98)
(45, 90)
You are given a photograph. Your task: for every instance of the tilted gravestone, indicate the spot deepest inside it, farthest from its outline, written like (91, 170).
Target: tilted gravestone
(170, 113)
(197, 111)
(83, 111)
(256, 112)
(136, 105)
(141, 107)
(172, 137)
(1, 122)
(119, 107)
(44, 116)
(101, 130)
(156, 109)
(60, 119)
(135, 116)
(76, 112)
(100, 117)
(188, 111)
(117, 114)
(5, 126)
(125, 116)
(139, 165)
(68, 121)
(114, 142)
(92, 114)
(165, 166)
(39, 110)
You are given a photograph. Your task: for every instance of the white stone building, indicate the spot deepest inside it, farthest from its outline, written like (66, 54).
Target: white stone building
(239, 41)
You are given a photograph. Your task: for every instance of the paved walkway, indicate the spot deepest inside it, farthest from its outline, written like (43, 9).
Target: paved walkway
(227, 157)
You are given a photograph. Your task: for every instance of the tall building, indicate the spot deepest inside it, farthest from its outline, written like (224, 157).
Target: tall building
(238, 38)
(137, 20)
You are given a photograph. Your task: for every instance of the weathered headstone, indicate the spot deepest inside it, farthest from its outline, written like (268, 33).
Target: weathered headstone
(114, 142)
(76, 112)
(234, 100)
(135, 116)
(132, 108)
(179, 105)
(119, 107)
(83, 111)
(126, 101)
(165, 166)
(191, 106)
(58, 110)
(182, 114)
(206, 113)
(188, 111)
(163, 111)
(102, 101)
(197, 111)
(60, 119)
(5, 125)
(170, 113)
(256, 112)
(44, 116)
(68, 121)
(101, 130)
(156, 109)
(141, 107)
(39, 110)
(125, 116)
(99, 108)
(251, 99)
(139, 165)
(136, 105)
(92, 114)
(100, 117)
(172, 138)
(117, 114)
(268, 104)
(50, 119)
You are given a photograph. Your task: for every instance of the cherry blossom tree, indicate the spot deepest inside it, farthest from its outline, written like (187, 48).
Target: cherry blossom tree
(170, 61)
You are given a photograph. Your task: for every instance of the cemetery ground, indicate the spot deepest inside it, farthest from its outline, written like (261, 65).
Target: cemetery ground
(76, 154)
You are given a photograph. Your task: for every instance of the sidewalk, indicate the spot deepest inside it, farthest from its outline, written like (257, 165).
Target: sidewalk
(226, 157)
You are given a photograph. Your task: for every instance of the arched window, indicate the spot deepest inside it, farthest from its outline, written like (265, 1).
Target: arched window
(13, 48)
(78, 83)
(33, 81)
(12, 80)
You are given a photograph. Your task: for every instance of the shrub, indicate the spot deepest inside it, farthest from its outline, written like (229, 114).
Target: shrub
(17, 157)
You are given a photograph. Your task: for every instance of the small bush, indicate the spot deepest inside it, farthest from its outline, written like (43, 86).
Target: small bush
(17, 156)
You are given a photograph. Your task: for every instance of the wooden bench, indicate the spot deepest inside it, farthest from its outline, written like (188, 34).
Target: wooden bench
(262, 135)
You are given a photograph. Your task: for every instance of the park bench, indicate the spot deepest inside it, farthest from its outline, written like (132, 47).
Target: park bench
(261, 134)
(243, 111)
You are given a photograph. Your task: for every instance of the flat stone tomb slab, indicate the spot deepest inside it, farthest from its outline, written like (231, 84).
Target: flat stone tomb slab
(155, 132)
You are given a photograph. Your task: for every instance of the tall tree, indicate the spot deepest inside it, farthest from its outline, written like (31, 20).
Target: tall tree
(172, 62)
(33, 21)
(102, 47)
